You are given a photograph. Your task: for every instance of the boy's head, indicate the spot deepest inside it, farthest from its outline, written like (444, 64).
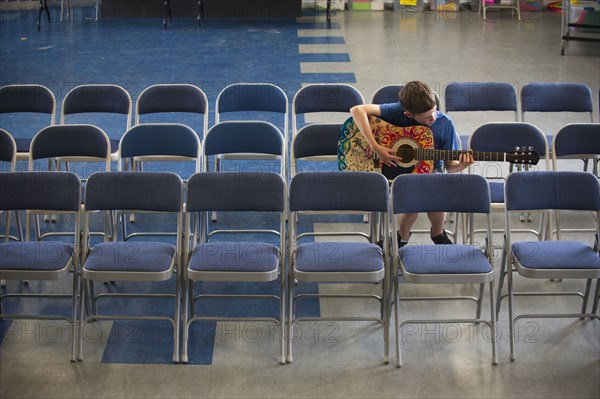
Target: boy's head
(418, 101)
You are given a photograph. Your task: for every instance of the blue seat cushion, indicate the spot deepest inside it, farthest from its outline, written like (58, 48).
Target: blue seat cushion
(339, 257)
(564, 254)
(35, 255)
(130, 257)
(497, 192)
(234, 257)
(444, 259)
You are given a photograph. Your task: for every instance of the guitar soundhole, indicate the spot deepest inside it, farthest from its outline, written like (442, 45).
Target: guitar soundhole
(407, 153)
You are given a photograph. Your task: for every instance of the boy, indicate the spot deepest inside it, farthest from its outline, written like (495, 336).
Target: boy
(416, 106)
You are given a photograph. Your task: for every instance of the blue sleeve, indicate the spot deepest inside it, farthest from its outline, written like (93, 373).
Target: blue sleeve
(455, 144)
(391, 112)
(448, 139)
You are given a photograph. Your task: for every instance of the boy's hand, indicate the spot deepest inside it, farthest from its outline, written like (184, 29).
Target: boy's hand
(387, 155)
(464, 161)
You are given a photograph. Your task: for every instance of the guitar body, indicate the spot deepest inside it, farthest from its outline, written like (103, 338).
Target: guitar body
(355, 154)
(414, 146)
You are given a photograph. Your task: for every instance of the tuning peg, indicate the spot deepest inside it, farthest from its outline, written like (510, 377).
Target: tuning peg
(530, 148)
(517, 148)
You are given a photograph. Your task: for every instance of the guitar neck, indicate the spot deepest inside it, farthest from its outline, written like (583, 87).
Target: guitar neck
(423, 154)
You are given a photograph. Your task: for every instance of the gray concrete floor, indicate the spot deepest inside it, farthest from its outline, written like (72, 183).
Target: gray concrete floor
(555, 358)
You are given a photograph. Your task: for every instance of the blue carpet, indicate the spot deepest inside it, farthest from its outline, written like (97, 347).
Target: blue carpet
(136, 54)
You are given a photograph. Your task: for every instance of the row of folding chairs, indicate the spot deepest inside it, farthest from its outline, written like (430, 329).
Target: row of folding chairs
(266, 100)
(292, 255)
(262, 140)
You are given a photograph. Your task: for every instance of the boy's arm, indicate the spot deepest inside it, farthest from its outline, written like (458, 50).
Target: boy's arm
(361, 113)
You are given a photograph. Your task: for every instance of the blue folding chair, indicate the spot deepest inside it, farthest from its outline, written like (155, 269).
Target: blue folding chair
(253, 101)
(314, 147)
(173, 103)
(8, 159)
(265, 102)
(490, 99)
(327, 260)
(175, 146)
(551, 259)
(513, 138)
(549, 98)
(324, 99)
(26, 107)
(103, 105)
(577, 141)
(443, 264)
(84, 145)
(152, 193)
(258, 258)
(389, 94)
(8, 155)
(41, 192)
(510, 138)
(161, 142)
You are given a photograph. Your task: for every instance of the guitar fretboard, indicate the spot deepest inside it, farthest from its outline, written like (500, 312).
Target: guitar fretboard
(450, 155)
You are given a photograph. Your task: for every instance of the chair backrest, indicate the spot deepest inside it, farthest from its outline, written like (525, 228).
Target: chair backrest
(480, 96)
(245, 137)
(27, 98)
(32, 106)
(315, 142)
(52, 191)
(80, 143)
(552, 190)
(236, 191)
(337, 191)
(567, 100)
(506, 136)
(161, 142)
(324, 98)
(576, 140)
(171, 99)
(440, 192)
(251, 101)
(471, 103)
(98, 99)
(134, 191)
(556, 97)
(8, 150)
(386, 94)
(389, 94)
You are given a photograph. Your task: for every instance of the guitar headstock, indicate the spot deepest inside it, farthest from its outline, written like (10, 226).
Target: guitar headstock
(523, 156)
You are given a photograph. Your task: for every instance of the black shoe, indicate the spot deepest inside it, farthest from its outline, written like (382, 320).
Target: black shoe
(400, 242)
(441, 239)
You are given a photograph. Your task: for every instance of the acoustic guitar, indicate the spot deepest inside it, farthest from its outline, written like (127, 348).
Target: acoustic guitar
(413, 144)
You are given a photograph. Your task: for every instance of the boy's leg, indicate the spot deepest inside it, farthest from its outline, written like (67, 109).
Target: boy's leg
(438, 234)
(406, 221)
(437, 222)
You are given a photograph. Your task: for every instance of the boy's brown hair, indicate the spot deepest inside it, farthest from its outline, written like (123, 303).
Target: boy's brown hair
(416, 97)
